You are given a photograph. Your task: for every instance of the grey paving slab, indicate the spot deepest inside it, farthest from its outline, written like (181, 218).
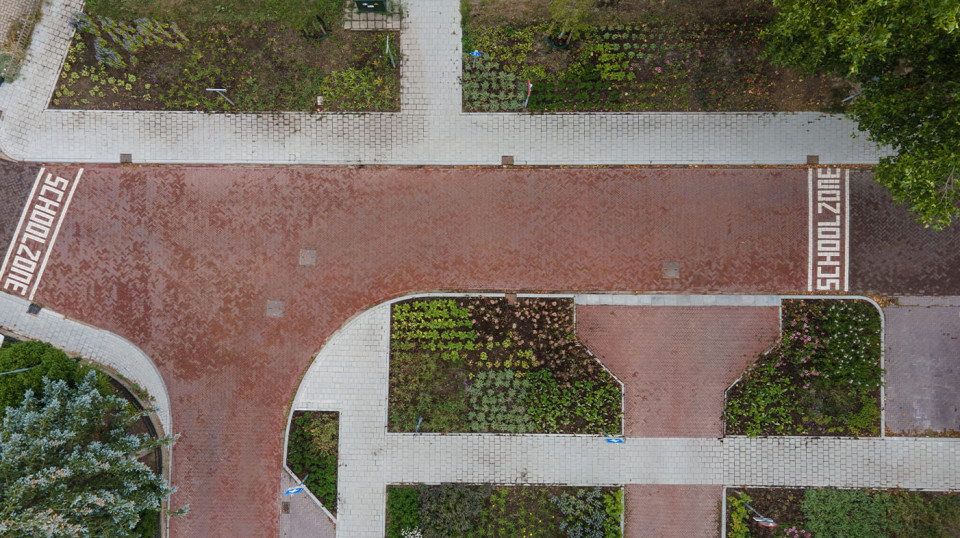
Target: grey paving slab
(303, 517)
(430, 129)
(350, 375)
(91, 343)
(923, 365)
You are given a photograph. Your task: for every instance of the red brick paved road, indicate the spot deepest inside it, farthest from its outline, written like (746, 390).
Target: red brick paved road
(183, 260)
(675, 362)
(672, 511)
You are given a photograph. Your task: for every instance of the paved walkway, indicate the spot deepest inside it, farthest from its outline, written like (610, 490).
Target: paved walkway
(430, 129)
(350, 376)
(90, 343)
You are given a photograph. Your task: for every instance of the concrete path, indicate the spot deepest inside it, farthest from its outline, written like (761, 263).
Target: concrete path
(430, 129)
(90, 343)
(350, 376)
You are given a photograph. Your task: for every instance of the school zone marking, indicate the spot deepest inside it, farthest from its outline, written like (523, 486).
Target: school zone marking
(36, 232)
(828, 268)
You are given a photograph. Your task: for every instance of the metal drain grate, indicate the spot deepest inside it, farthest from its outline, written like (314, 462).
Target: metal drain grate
(506, 160)
(285, 507)
(126, 158)
(34, 309)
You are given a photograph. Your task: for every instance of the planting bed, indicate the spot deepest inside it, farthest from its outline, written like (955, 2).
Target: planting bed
(646, 65)
(165, 55)
(484, 510)
(851, 513)
(489, 365)
(822, 378)
(312, 453)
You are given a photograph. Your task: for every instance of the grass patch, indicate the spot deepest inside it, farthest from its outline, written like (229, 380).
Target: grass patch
(487, 365)
(312, 450)
(851, 513)
(268, 56)
(483, 510)
(822, 378)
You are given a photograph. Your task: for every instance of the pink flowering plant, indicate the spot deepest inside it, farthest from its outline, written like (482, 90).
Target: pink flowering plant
(822, 378)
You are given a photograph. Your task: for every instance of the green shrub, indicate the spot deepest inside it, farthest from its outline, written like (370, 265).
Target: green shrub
(737, 510)
(866, 514)
(312, 450)
(47, 362)
(450, 510)
(403, 510)
(148, 526)
(497, 403)
(614, 508)
(584, 512)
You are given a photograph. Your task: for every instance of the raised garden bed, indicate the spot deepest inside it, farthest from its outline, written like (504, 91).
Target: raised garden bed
(822, 378)
(165, 55)
(628, 61)
(851, 513)
(489, 365)
(312, 453)
(484, 510)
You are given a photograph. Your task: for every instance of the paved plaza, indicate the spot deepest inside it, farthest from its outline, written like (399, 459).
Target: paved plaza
(204, 270)
(237, 294)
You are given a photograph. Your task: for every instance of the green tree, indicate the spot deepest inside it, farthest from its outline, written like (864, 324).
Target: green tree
(905, 56)
(68, 466)
(44, 361)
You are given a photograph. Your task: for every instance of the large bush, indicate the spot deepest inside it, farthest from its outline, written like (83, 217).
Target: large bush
(44, 361)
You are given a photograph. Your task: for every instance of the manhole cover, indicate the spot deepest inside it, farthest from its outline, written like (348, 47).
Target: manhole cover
(286, 507)
(671, 270)
(308, 257)
(274, 309)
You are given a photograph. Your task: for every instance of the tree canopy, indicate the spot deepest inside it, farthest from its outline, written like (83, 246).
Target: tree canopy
(905, 56)
(68, 466)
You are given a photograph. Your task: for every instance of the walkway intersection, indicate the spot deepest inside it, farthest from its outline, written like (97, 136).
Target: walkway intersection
(350, 375)
(430, 129)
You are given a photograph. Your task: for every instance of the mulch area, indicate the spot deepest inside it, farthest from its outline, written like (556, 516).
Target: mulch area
(676, 362)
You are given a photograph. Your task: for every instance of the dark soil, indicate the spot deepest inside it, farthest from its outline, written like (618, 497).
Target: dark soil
(782, 505)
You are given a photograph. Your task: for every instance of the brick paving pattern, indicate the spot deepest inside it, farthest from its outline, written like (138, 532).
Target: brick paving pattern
(430, 129)
(923, 365)
(16, 181)
(200, 268)
(891, 253)
(676, 362)
(654, 511)
(184, 261)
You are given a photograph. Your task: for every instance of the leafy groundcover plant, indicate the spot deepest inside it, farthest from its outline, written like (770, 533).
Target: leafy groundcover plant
(489, 365)
(312, 453)
(483, 510)
(822, 378)
(853, 513)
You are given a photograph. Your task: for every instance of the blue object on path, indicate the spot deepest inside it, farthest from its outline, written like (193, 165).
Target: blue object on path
(615, 440)
(293, 491)
(476, 54)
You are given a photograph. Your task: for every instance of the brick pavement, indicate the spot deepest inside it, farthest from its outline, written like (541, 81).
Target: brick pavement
(923, 365)
(676, 362)
(891, 253)
(430, 129)
(16, 181)
(184, 261)
(654, 511)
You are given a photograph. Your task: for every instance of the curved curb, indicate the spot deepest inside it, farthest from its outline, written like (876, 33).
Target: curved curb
(91, 343)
